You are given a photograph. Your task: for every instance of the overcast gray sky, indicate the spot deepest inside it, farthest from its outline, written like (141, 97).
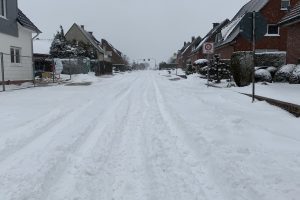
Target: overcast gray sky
(139, 28)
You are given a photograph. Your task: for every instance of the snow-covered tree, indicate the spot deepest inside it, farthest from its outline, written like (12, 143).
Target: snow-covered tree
(59, 46)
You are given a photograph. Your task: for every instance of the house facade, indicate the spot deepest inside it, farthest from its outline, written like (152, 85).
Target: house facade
(115, 54)
(78, 33)
(211, 36)
(16, 32)
(291, 22)
(181, 57)
(275, 39)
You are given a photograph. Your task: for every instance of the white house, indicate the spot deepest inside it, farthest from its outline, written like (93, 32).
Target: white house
(16, 32)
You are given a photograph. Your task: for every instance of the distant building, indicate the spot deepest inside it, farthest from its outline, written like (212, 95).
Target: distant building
(115, 54)
(78, 33)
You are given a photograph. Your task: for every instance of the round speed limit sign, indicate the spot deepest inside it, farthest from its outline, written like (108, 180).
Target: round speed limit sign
(208, 48)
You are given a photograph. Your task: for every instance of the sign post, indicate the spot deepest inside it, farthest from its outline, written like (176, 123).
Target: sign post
(208, 49)
(2, 72)
(253, 29)
(254, 49)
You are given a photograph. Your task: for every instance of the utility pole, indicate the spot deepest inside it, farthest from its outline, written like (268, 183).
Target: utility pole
(254, 49)
(2, 70)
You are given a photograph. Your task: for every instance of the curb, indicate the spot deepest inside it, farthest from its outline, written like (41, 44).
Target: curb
(290, 107)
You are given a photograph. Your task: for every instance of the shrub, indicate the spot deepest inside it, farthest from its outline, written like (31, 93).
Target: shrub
(284, 73)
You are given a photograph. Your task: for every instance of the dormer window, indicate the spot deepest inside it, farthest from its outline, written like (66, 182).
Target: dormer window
(2, 8)
(285, 4)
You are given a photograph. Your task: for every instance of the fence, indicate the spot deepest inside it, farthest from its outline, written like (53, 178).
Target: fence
(16, 69)
(39, 70)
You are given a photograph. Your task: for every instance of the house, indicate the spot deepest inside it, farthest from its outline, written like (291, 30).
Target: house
(191, 49)
(184, 55)
(181, 57)
(79, 34)
(292, 23)
(274, 40)
(211, 36)
(16, 32)
(116, 55)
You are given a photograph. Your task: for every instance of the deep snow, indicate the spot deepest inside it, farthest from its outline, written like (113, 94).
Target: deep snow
(141, 136)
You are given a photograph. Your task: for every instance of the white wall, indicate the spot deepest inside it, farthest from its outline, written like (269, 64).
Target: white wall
(13, 71)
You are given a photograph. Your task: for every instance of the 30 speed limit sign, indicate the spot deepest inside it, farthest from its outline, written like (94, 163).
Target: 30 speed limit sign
(208, 48)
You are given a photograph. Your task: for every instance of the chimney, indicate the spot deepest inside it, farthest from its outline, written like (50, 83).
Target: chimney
(184, 44)
(82, 26)
(90, 32)
(215, 25)
(193, 38)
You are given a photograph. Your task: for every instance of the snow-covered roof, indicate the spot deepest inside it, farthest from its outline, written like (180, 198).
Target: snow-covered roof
(227, 30)
(25, 21)
(213, 31)
(42, 46)
(232, 30)
(202, 42)
(90, 37)
(292, 17)
(251, 6)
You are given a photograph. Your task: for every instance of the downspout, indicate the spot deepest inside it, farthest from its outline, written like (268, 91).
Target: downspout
(33, 71)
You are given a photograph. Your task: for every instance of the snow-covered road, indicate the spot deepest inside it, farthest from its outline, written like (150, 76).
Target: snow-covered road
(141, 136)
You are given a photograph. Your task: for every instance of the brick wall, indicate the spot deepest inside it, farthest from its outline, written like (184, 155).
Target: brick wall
(225, 52)
(293, 44)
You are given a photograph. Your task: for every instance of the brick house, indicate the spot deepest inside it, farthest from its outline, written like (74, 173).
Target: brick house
(116, 55)
(181, 58)
(211, 36)
(273, 11)
(292, 24)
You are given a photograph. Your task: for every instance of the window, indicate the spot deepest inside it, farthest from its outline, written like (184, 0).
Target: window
(273, 30)
(15, 55)
(2, 8)
(285, 4)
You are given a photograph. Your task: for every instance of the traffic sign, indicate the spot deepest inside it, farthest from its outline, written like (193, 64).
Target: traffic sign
(208, 48)
(246, 28)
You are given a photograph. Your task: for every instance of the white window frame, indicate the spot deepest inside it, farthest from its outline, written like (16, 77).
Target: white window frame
(285, 8)
(273, 35)
(14, 58)
(3, 15)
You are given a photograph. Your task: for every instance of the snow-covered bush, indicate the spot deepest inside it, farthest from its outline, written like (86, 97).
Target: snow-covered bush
(190, 70)
(284, 73)
(295, 77)
(242, 68)
(263, 75)
(272, 70)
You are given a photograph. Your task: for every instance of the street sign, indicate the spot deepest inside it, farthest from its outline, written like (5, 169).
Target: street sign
(208, 48)
(246, 28)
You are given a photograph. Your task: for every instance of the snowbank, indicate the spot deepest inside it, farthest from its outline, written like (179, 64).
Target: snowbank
(80, 78)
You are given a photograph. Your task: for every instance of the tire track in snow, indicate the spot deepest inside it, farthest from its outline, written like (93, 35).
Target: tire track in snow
(16, 140)
(80, 166)
(193, 164)
(57, 162)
